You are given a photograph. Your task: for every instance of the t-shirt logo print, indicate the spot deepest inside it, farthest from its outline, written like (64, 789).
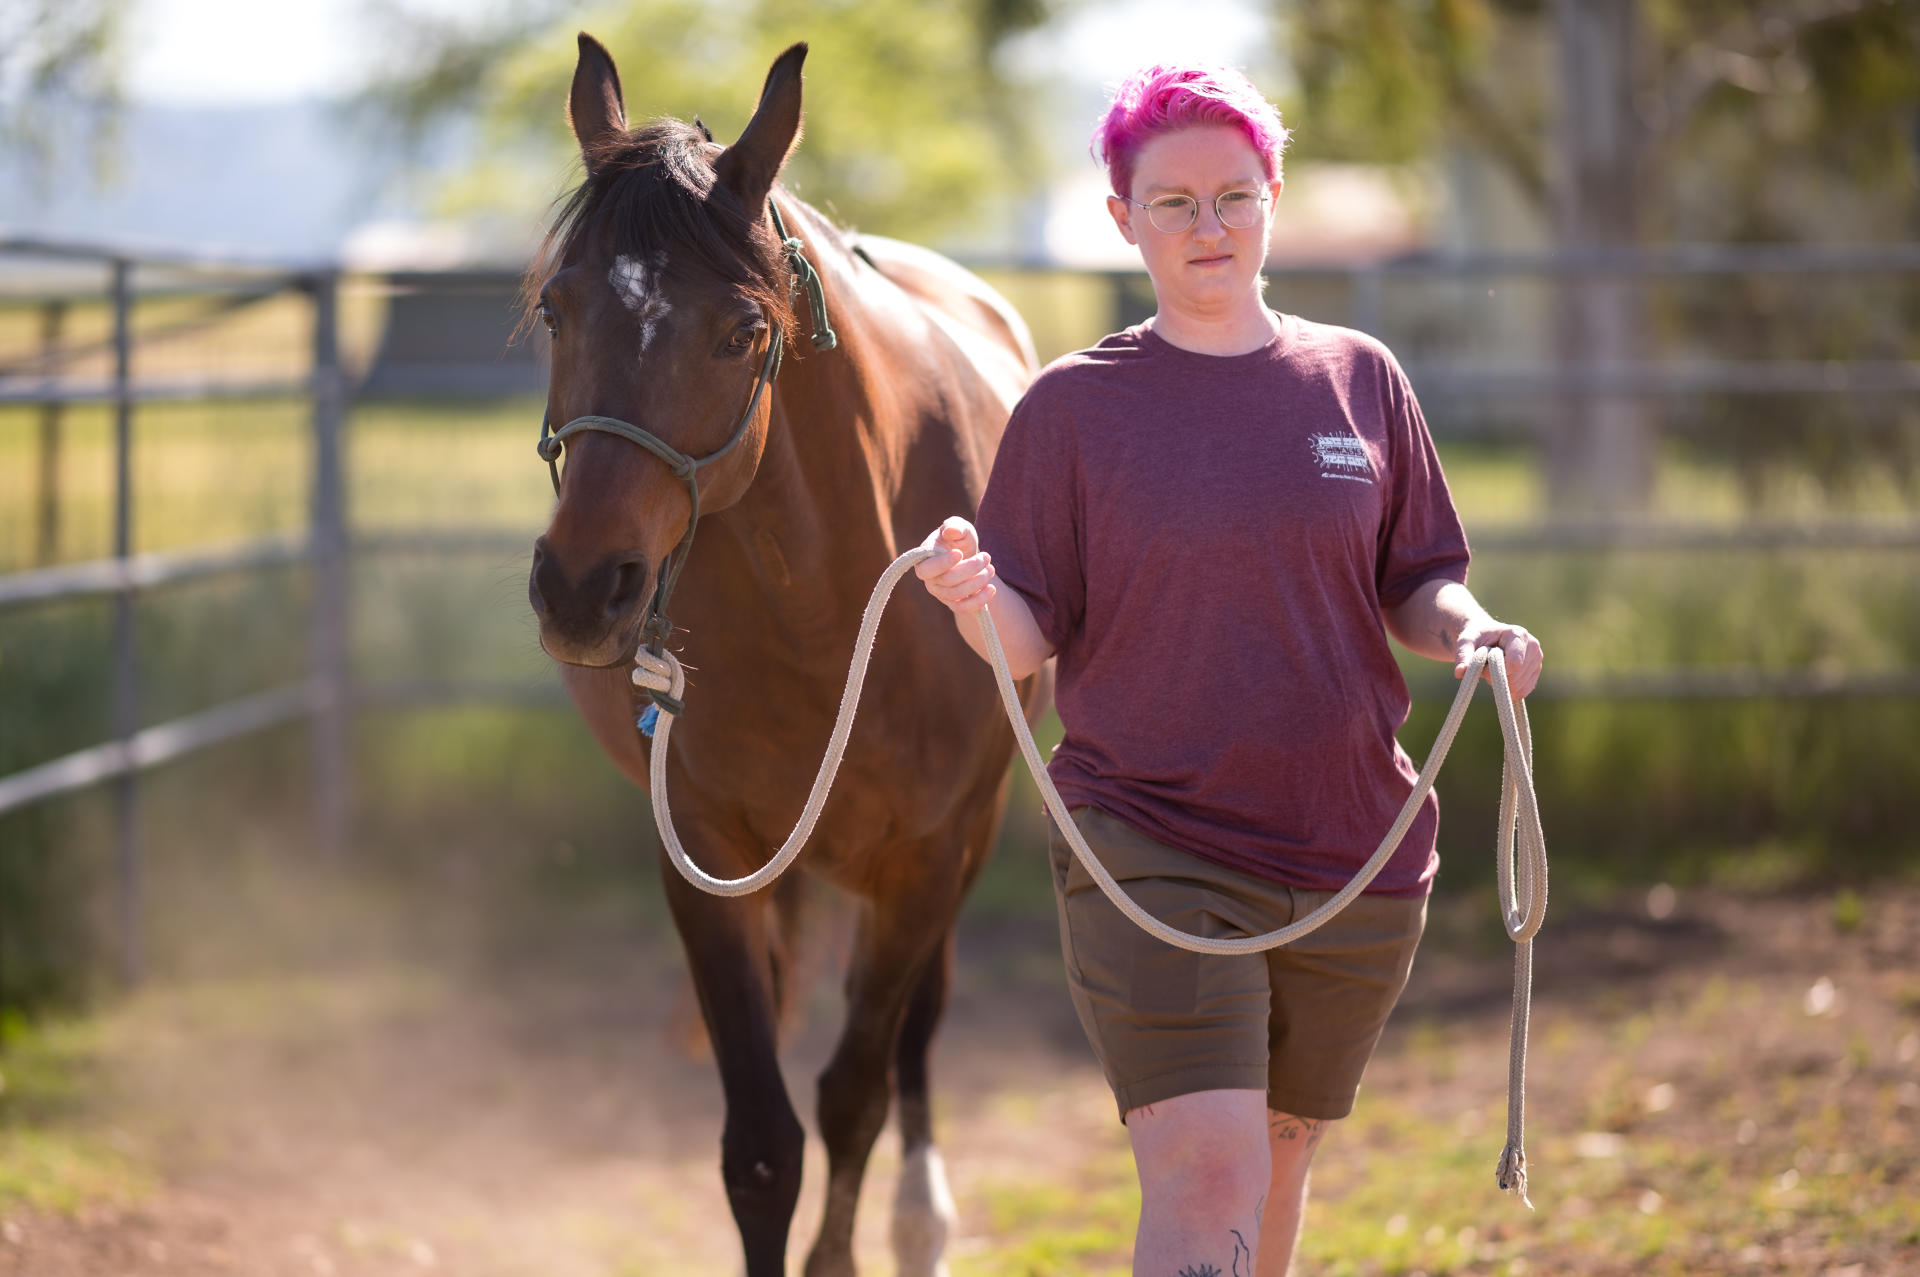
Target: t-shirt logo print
(1343, 457)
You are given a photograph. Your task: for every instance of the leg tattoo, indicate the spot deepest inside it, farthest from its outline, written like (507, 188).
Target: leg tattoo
(1241, 1252)
(1242, 1261)
(1293, 1129)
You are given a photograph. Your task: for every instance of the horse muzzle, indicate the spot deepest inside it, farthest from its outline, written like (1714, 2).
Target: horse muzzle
(592, 616)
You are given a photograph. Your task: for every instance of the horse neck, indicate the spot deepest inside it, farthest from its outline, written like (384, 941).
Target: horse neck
(818, 514)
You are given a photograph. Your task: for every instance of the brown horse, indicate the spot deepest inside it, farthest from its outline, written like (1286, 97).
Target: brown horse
(664, 286)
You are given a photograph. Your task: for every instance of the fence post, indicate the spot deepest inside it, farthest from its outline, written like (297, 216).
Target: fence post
(126, 691)
(1366, 288)
(332, 764)
(46, 521)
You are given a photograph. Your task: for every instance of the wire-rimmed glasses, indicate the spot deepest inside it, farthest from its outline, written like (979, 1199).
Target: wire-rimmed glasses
(1172, 214)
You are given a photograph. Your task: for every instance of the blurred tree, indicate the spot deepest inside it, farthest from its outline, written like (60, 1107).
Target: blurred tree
(1624, 121)
(1725, 109)
(912, 125)
(59, 75)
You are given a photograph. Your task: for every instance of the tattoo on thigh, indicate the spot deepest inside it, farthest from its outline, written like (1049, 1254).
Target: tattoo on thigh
(1285, 1126)
(1199, 1270)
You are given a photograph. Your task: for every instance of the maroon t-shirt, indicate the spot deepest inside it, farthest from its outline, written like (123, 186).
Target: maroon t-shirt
(1207, 543)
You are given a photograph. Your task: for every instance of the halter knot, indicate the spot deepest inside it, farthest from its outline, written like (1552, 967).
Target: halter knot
(660, 676)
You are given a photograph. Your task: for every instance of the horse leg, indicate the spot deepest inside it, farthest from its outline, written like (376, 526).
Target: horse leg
(923, 1212)
(897, 940)
(762, 1142)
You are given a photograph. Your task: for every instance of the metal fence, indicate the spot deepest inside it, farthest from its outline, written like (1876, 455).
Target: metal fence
(322, 696)
(327, 547)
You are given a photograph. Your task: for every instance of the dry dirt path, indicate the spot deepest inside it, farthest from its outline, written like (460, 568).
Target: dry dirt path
(1732, 1088)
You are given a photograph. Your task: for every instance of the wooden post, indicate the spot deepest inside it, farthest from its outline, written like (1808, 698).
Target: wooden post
(1600, 450)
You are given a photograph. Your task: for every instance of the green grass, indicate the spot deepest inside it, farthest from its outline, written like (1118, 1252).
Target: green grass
(1671, 1139)
(51, 1157)
(207, 474)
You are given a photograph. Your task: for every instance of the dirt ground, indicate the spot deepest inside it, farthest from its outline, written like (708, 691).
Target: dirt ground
(1720, 1083)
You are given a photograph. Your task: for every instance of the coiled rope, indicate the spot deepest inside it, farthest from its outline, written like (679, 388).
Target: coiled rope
(1520, 852)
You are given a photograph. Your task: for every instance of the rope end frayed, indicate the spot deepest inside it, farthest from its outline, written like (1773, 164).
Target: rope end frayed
(648, 718)
(1511, 1174)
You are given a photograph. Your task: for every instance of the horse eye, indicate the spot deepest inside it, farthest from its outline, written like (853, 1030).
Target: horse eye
(743, 335)
(551, 320)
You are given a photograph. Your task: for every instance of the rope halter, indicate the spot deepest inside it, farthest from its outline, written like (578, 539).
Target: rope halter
(654, 631)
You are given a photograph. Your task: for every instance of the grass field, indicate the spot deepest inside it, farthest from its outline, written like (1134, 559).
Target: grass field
(401, 1080)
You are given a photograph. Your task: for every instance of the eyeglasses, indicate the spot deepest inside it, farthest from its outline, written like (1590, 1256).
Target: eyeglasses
(1172, 214)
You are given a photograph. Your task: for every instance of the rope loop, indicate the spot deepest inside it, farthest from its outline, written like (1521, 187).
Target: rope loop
(1520, 847)
(658, 672)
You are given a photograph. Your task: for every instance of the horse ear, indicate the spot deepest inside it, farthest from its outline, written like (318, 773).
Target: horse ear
(593, 105)
(748, 167)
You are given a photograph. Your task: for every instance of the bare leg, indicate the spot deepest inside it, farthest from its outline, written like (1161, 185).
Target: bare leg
(1291, 1141)
(1204, 1172)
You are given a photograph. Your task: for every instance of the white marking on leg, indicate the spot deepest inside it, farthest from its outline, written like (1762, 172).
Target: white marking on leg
(637, 284)
(923, 1214)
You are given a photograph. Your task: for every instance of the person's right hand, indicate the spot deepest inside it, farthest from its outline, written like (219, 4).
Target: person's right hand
(960, 576)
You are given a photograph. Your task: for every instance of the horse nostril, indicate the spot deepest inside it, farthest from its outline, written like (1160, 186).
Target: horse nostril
(629, 580)
(534, 593)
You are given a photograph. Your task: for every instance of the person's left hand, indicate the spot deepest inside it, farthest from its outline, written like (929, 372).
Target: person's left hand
(1522, 650)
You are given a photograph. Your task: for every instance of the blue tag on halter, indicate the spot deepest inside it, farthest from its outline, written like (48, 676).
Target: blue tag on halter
(648, 718)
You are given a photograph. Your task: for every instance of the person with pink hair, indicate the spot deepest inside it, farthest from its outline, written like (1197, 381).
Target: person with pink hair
(1212, 521)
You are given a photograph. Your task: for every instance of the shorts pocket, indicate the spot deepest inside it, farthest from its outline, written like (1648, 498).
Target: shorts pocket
(1060, 859)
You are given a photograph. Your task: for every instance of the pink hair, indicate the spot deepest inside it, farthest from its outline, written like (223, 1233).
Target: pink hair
(1159, 99)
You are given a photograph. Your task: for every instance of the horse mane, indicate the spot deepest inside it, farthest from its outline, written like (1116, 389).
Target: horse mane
(652, 189)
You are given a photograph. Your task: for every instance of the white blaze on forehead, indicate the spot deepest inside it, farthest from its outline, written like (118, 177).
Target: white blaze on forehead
(637, 284)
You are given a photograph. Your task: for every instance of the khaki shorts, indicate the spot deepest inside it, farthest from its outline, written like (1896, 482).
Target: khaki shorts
(1298, 1022)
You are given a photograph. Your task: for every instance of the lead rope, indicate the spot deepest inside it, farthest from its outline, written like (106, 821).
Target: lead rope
(1522, 880)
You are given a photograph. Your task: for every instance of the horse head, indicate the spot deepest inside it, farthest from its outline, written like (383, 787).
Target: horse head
(664, 288)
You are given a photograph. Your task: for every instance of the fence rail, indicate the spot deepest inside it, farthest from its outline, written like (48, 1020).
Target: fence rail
(33, 390)
(1785, 377)
(156, 568)
(160, 744)
(144, 571)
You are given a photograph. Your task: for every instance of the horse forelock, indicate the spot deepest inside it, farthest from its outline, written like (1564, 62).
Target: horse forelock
(650, 195)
